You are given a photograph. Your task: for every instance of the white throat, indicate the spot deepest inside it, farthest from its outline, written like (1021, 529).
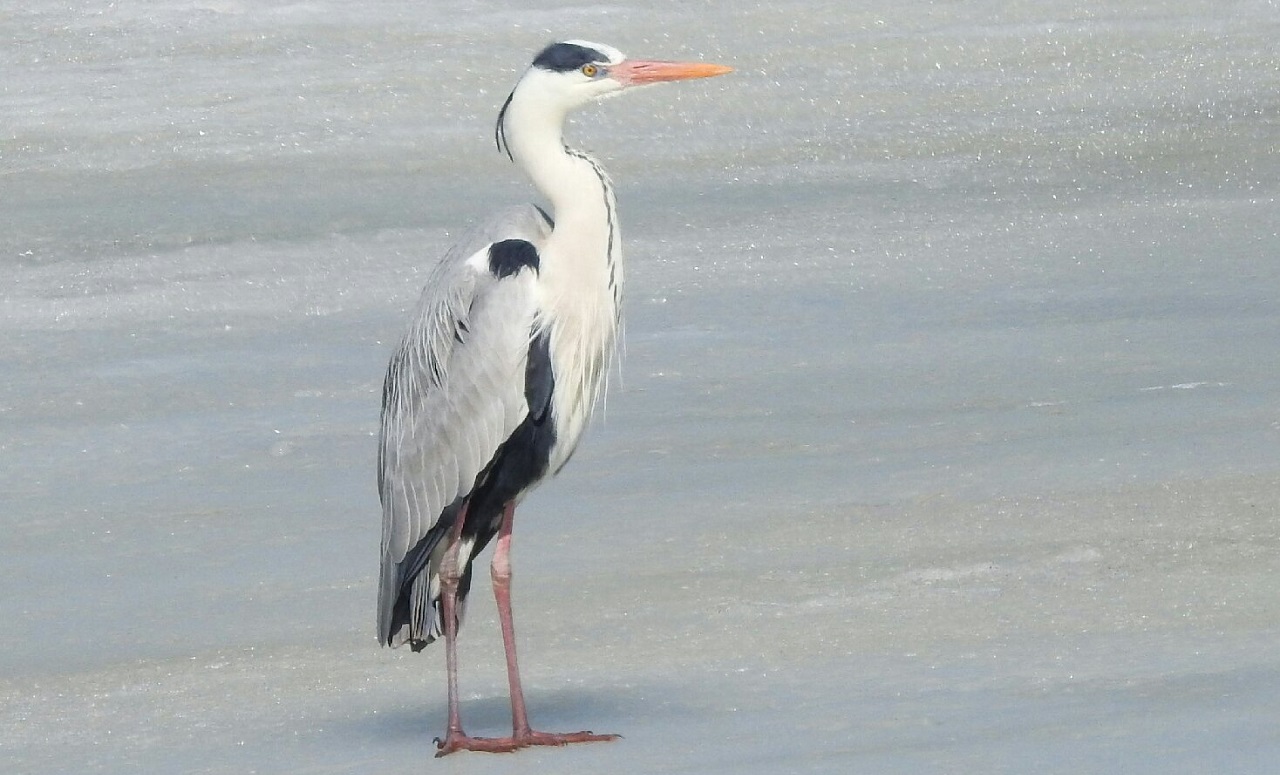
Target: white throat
(580, 275)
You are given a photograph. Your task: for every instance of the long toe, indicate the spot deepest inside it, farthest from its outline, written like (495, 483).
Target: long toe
(457, 741)
(461, 742)
(563, 738)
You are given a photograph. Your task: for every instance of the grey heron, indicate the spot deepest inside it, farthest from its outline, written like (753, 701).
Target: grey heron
(495, 380)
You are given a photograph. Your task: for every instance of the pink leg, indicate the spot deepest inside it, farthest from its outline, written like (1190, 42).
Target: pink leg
(522, 735)
(450, 572)
(500, 571)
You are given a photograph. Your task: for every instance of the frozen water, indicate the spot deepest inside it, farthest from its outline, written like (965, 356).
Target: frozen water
(945, 437)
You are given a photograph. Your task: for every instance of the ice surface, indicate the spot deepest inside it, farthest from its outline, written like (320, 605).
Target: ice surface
(945, 439)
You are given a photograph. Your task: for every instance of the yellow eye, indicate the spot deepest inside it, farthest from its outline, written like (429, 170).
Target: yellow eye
(590, 70)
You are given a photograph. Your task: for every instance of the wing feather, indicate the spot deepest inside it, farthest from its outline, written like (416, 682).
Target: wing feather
(454, 393)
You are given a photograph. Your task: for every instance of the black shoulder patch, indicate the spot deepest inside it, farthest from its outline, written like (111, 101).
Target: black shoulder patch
(510, 256)
(563, 57)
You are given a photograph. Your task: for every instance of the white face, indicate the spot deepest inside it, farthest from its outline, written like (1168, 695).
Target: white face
(563, 77)
(577, 79)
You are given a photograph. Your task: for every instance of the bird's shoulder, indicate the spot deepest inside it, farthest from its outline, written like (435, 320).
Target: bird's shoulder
(469, 267)
(477, 307)
(477, 291)
(529, 223)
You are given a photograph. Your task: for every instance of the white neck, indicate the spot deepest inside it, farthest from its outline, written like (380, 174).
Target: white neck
(580, 270)
(585, 241)
(535, 138)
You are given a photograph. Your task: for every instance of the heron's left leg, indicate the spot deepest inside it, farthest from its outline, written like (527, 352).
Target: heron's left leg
(500, 571)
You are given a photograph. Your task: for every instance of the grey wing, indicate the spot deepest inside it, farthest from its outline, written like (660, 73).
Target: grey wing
(454, 392)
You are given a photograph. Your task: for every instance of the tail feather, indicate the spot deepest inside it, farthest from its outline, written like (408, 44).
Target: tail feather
(417, 614)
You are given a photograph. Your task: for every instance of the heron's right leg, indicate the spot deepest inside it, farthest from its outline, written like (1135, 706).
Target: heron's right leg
(450, 574)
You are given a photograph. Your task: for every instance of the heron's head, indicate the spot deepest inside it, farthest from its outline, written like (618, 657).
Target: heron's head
(567, 75)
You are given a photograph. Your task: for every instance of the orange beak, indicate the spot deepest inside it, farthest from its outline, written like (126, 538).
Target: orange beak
(638, 72)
